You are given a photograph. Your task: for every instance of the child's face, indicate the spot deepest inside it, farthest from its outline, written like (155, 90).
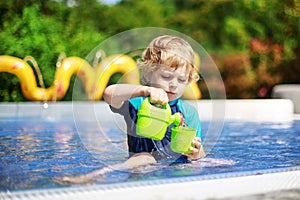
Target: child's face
(172, 81)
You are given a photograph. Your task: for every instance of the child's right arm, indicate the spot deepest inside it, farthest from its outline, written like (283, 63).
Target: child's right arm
(116, 94)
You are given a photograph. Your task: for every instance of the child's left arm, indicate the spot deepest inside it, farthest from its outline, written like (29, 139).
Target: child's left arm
(197, 151)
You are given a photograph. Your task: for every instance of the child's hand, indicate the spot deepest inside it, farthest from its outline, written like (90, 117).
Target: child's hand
(157, 95)
(197, 151)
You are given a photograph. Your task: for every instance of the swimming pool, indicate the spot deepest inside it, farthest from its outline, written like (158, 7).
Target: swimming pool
(39, 144)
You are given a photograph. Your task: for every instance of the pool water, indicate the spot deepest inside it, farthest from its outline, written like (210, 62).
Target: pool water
(34, 151)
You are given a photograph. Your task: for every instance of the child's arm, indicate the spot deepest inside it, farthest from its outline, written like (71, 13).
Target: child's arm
(115, 95)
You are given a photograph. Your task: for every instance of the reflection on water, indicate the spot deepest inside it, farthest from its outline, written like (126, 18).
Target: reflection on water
(33, 152)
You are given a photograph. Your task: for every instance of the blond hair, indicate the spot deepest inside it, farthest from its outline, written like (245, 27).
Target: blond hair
(171, 51)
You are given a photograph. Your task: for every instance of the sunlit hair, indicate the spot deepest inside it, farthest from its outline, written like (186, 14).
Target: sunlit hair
(169, 51)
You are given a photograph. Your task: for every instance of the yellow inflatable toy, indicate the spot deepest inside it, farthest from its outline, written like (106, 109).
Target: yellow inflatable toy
(94, 80)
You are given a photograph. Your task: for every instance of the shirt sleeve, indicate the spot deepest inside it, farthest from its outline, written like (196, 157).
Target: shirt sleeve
(194, 122)
(192, 118)
(123, 110)
(129, 111)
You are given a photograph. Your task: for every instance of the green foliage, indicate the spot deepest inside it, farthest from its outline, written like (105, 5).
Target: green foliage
(258, 38)
(29, 35)
(228, 29)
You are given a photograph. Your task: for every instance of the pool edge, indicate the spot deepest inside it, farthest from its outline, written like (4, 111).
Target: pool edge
(253, 183)
(259, 110)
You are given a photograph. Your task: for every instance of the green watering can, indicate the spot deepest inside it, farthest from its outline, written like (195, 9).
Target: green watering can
(153, 120)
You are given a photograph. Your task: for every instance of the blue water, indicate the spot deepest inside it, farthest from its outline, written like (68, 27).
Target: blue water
(34, 151)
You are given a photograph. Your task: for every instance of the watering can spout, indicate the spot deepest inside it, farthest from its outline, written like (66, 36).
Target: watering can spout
(177, 119)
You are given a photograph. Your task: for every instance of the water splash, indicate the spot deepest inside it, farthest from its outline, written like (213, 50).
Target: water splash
(100, 55)
(39, 75)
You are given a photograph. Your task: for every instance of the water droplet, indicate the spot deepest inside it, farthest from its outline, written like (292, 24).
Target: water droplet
(45, 105)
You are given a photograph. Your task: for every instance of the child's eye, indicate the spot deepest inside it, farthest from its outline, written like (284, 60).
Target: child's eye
(182, 80)
(165, 76)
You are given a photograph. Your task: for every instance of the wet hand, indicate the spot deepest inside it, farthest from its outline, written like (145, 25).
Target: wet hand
(196, 151)
(157, 95)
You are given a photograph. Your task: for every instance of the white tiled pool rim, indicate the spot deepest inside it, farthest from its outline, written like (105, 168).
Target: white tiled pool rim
(273, 110)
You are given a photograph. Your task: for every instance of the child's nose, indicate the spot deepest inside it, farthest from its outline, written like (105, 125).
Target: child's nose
(173, 84)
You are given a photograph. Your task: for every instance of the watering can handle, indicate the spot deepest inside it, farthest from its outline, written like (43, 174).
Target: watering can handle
(156, 104)
(177, 118)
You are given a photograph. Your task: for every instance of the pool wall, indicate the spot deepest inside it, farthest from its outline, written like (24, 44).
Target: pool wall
(288, 91)
(275, 110)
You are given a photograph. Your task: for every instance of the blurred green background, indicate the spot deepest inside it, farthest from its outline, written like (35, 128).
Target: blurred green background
(254, 43)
